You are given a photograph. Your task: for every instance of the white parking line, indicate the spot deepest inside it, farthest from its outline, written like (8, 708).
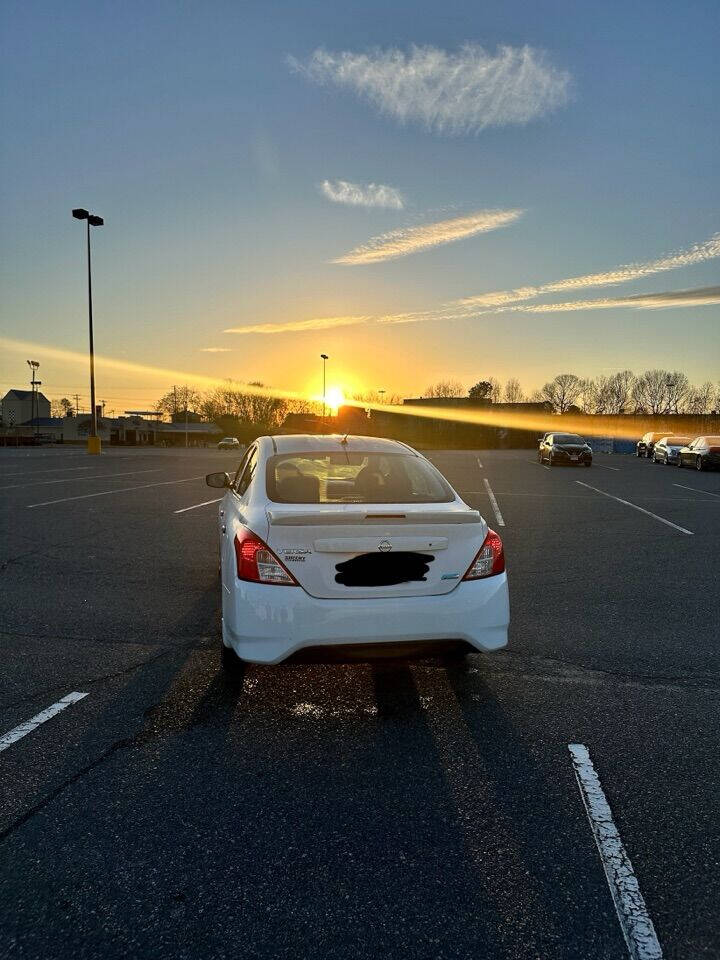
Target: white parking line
(493, 501)
(478, 462)
(605, 466)
(697, 490)
(34, 473)
(17, 733)
(205, 503)
(627, 503)
(107, 493)
(538, 464)
(96, 476)
(635, 922)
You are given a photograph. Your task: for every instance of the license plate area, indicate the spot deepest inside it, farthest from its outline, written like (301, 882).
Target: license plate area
(383, 569)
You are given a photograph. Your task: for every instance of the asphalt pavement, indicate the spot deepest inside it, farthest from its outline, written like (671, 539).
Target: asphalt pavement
(423, 809)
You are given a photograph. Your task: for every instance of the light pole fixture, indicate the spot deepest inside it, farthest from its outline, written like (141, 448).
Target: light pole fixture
(324, 357)
(92, 221)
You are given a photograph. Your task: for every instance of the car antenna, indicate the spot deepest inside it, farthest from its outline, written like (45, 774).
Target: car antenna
(345, 438)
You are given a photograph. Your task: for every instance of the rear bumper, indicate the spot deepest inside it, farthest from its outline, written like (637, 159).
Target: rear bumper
(266, 624)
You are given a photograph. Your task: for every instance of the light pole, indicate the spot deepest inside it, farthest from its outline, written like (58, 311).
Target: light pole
(324, 357)
(34, 364)
(92, 221)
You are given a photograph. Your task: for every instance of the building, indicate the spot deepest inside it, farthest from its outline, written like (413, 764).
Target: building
(18, 407)
(124, 431)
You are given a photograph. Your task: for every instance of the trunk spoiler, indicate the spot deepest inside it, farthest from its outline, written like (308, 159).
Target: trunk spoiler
(286, 518)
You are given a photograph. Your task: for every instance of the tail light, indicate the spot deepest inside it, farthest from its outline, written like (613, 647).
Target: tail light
(490, 559)
(257, 563)
(713, 449)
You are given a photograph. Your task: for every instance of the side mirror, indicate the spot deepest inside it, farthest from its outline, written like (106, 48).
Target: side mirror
(220, 481)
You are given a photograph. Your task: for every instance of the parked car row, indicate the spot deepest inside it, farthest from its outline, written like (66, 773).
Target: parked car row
(700, 453)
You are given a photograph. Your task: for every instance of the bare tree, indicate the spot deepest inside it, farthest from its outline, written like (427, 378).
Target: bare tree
(377, 397)
(178, 399)
(496, 390)
(619, 391)
(445, 388)
(563, 391)
(678, 387)
(650, 392)
(513, 392)
(700, 399)
(61, 408)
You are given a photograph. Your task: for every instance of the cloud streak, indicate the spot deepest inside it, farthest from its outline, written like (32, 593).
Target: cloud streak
(698, 253)
(453, 93)
(362, 195)
(215, 350)
(512, 301)
(314, 323)
(401, 243)
(700, 297)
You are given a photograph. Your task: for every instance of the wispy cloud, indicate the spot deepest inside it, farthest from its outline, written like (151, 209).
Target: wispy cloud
(363, 195)
(702, 296)
(698, 253)
(511, 301)
(401, 243)
(215, 349)
(450, 93)
(290, 326)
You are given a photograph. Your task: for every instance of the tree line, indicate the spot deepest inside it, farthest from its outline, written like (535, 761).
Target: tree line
(651, 392)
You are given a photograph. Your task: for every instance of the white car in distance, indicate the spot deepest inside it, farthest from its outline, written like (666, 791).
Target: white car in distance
(331, 540)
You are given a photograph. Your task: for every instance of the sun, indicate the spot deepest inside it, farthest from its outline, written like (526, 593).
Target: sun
(334, 398)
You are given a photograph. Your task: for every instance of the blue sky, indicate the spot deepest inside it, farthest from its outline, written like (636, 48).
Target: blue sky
(186, 127)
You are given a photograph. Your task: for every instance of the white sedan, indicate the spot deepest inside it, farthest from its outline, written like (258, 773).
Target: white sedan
(330, 540)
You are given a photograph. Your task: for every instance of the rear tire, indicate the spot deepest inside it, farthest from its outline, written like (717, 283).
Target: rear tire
(550, 461)
(232, 666)
(588, 463)
(699, 465)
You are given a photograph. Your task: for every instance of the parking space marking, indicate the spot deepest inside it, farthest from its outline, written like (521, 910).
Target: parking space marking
(634, 506)
(606, 467)
(538, 464)
(635, 922)
(107, 493)
(493, 501)
(23, 729)
(53, 470)
(479, 463)
(205, 503)
(96, 476)
(697, 490)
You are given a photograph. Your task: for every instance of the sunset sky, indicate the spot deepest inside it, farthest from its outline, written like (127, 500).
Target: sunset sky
(421, 190)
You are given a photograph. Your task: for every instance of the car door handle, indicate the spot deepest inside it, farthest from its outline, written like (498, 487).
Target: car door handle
(222, 513)
(224, 529)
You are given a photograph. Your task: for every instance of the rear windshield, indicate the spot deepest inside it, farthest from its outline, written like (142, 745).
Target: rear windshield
(674, 441)
(354, 478)
(567, 438)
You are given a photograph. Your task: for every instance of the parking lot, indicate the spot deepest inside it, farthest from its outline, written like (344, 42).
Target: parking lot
(423, 809)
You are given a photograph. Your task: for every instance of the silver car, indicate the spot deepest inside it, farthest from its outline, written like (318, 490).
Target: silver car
(667, 450)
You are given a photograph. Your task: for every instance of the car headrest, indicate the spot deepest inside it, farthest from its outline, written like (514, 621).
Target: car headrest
(302, 488)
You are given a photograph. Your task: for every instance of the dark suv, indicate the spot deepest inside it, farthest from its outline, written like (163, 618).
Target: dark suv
(566, 448)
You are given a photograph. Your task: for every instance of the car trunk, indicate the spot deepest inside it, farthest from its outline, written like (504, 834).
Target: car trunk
(358, 551)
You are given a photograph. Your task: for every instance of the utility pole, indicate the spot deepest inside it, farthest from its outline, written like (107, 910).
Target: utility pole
(186, 405)
(34, 407)
(77, 404)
